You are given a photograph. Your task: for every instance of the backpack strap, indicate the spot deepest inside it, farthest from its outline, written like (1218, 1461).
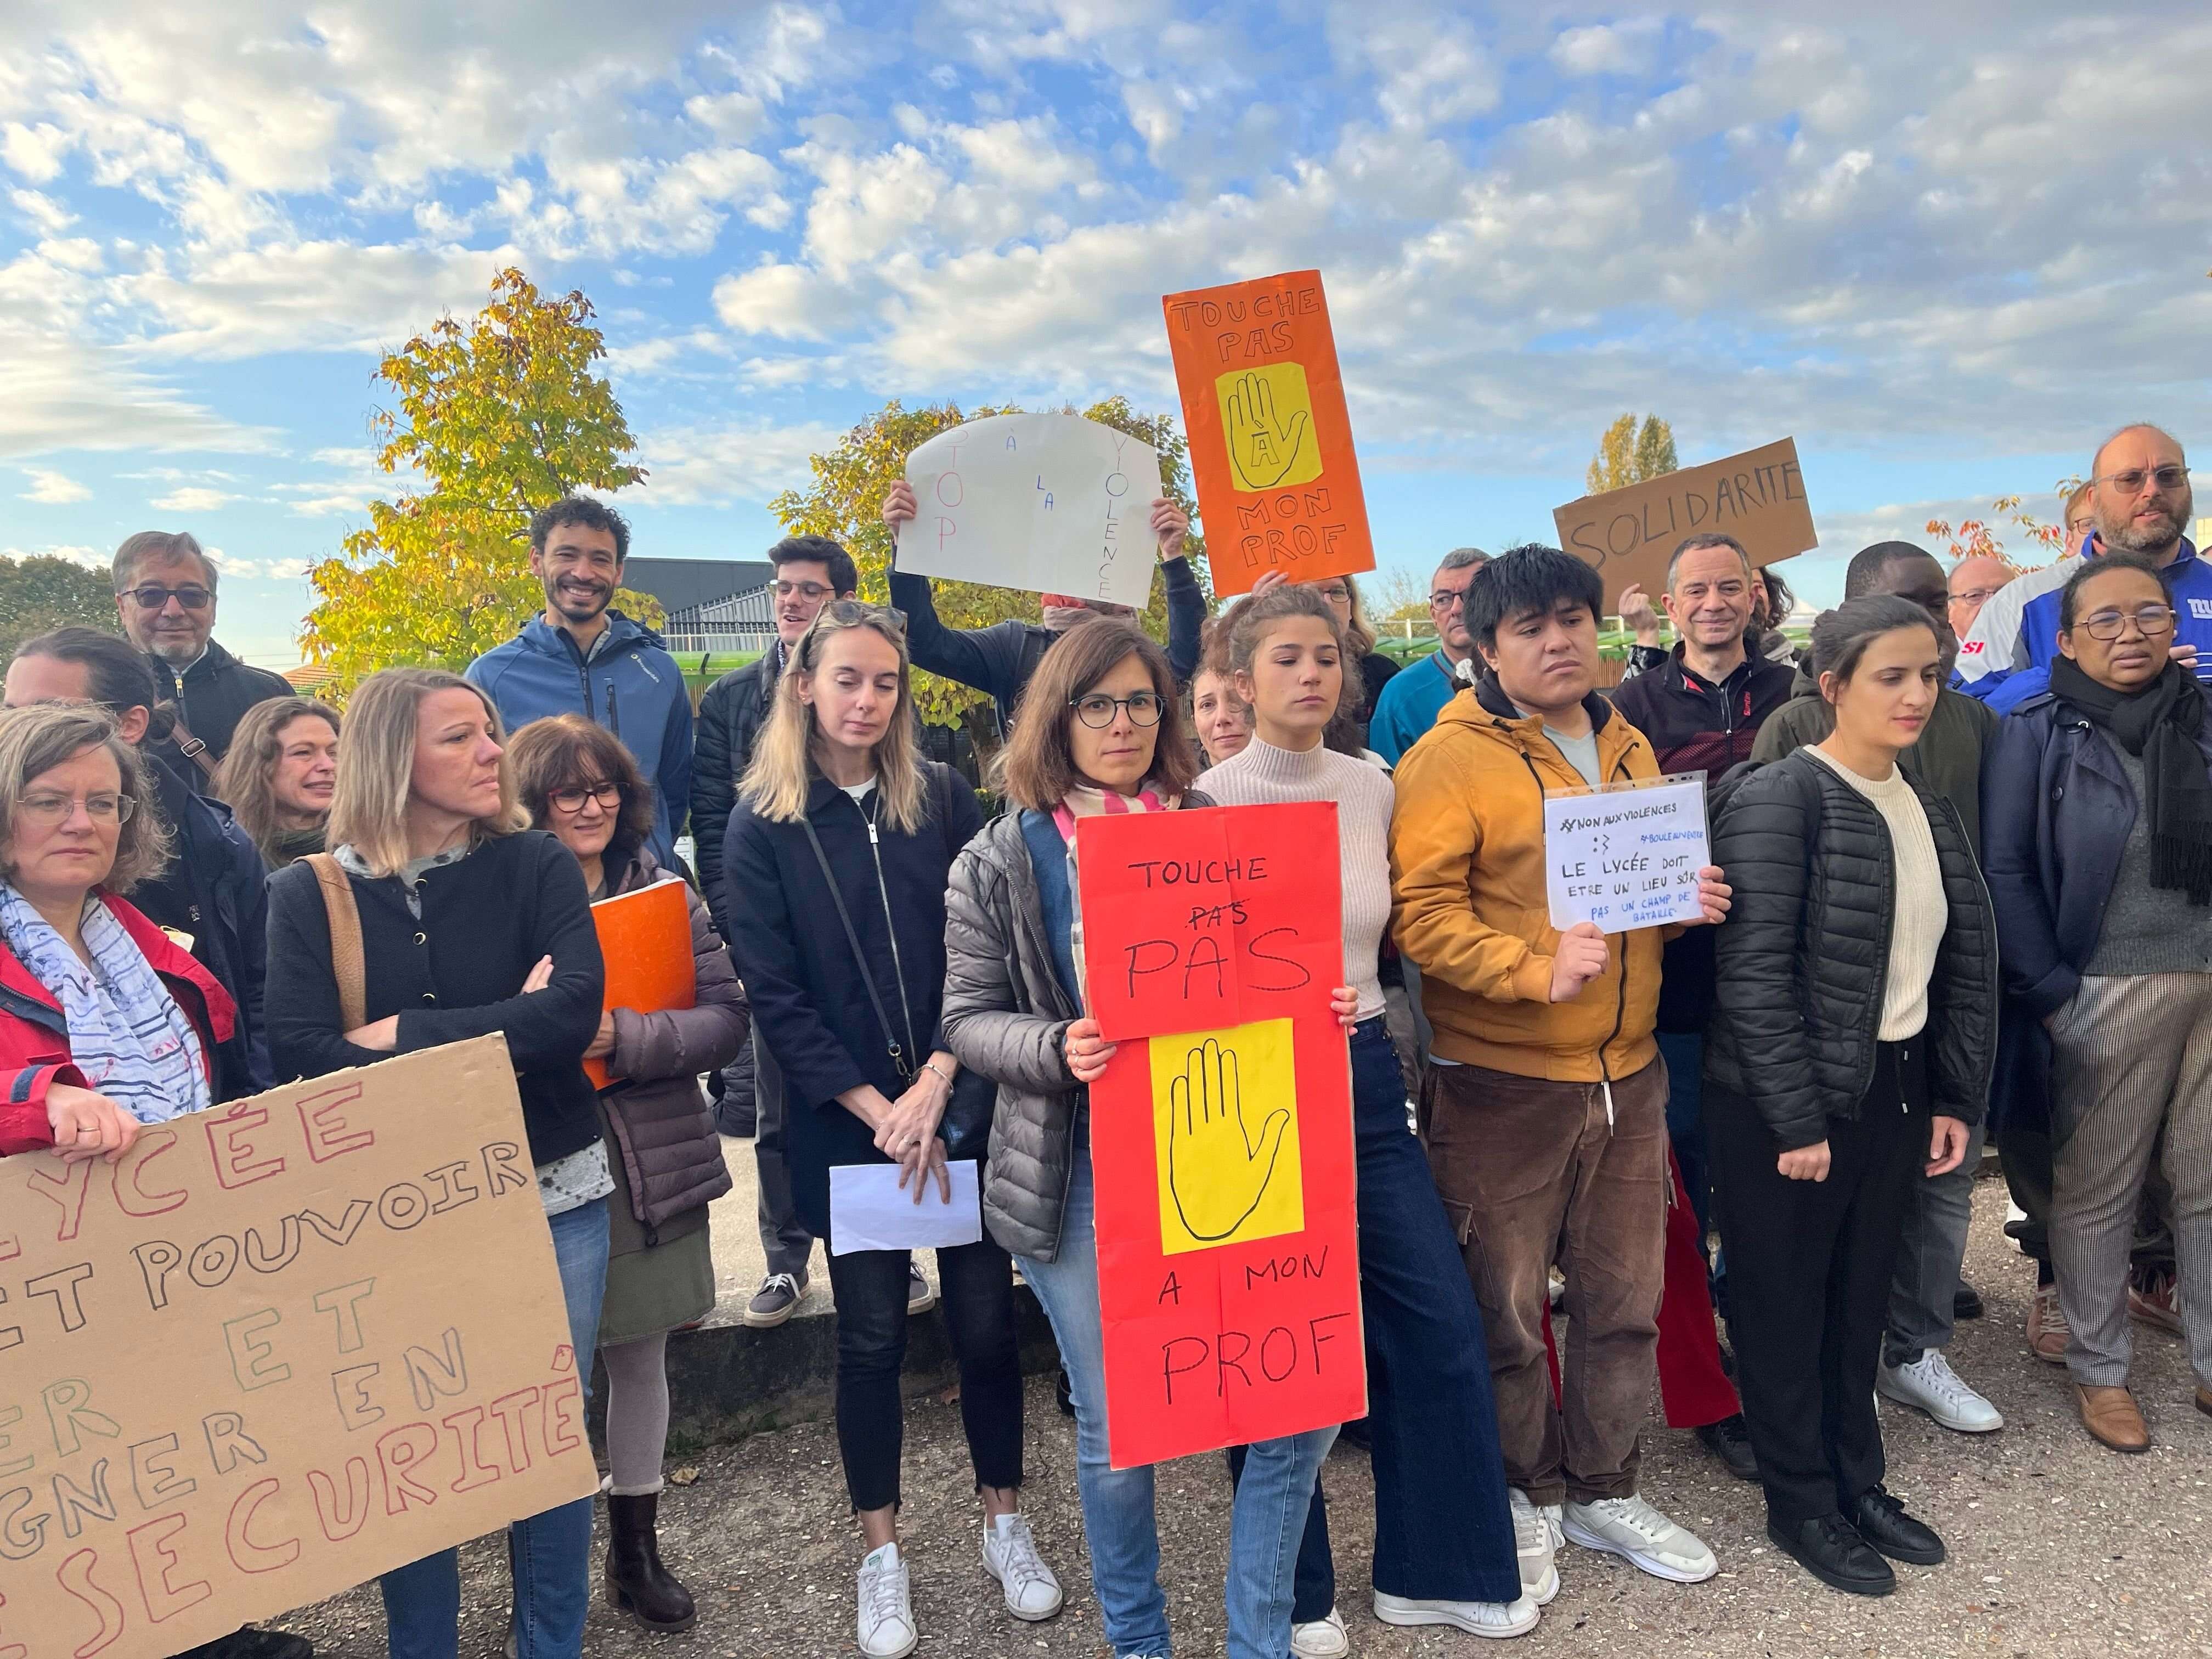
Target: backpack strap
(349, 962)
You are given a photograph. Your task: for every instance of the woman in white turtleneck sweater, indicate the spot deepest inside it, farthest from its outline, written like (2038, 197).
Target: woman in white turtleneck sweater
(1445, 1548)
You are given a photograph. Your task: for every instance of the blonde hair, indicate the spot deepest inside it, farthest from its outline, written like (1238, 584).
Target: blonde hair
(246, 781)
(784, 763)
(376, 767)
(38, 738)
(1360, 632)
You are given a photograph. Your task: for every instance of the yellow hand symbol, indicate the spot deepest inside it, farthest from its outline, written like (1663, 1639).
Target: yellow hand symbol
(1262, 449)
(1216, 1174)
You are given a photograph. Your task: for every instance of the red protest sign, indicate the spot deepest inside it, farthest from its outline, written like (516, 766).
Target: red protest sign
(1221, 1132)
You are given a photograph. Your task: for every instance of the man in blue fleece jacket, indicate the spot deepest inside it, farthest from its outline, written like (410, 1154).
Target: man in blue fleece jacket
(581, 658)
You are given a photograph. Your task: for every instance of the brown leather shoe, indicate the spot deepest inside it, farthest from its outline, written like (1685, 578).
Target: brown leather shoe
(2113, 1418)
(2047, 1330)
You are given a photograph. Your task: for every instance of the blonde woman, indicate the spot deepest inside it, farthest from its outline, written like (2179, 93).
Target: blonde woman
(280, 774)
(843, 837)
(470, 924)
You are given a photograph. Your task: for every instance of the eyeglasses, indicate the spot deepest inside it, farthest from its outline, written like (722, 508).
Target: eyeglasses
(2131, 482)
(52, 811)
(610, 795)
(1098, 710)
(801, 590)
(1445, 598)
(153, 596)
(2153, 619)
(1335, 593)
(1976, 595)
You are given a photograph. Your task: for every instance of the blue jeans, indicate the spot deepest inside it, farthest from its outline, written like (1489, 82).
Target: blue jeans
(1264, 1524)
(550, 1553)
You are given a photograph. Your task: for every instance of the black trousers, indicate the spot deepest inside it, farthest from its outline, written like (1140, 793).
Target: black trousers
(975, 1283)
(1809, 1270)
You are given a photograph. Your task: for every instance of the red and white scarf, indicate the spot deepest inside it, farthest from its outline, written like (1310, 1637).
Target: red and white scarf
(1085, 802)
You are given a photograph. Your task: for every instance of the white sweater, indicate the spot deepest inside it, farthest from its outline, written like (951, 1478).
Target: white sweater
(1921, 913)
(1264, 775)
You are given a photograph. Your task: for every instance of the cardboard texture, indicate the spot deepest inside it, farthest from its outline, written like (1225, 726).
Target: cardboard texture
(1221, 1132)
(1758, 497)
(1051, 503)
(284, 1346)
(1270, 437)
(645, 939)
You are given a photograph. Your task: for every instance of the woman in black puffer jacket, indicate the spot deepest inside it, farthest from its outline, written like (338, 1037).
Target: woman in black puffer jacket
(1852, 1039)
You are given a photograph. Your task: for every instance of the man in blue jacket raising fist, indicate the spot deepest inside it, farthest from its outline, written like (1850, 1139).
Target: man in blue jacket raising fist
(581, 658)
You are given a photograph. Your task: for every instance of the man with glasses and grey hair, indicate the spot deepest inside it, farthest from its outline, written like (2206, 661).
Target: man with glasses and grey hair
(165, 595)
(1409, 704)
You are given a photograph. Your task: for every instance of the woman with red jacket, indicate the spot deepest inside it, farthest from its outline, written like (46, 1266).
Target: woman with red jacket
(106, 1024)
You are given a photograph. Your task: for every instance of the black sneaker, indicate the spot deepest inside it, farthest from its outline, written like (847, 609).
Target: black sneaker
(1830, 1549)
(1729, 1440)
(252, 1643)
(1967, 1303)
(1881, 1519)
(777, 1300)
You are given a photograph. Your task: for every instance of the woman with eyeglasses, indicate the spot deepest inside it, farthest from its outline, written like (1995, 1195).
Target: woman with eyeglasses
(106, 1024)
(281, 775)
(834, 867)
(2097, 812)
(576, 780)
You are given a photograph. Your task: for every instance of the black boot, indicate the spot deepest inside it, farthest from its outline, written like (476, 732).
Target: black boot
(636, 1581)
(1881, 1518)
(1830, 1548)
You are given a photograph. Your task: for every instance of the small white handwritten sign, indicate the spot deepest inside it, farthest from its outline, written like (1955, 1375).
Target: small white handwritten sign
(1626, 856)
(1051, 503)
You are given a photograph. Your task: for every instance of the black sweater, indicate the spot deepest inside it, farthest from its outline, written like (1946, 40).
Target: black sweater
(456, 973)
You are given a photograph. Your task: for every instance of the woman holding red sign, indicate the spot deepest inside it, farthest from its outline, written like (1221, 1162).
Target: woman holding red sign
(1103, 734)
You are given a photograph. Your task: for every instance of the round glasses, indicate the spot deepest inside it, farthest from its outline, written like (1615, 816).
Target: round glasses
(1098, 710)
(51, 811)
(2153, 619)
(609, 796)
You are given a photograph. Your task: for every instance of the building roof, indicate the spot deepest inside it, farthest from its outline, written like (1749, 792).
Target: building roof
(681, 584)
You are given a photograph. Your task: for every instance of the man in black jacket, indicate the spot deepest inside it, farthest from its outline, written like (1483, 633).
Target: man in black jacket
(164, 595)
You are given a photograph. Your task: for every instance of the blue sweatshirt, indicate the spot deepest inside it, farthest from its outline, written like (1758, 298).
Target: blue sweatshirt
(1408, 705)
(630, 685)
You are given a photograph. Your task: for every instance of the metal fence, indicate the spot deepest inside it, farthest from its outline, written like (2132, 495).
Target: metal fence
(743, 621)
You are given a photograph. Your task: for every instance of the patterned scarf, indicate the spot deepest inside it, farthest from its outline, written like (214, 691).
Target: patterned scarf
(126, 1033)
(1085, 802)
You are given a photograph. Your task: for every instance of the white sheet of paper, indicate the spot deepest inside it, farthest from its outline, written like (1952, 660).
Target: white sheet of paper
(1626, 857)
(867, 1211)
(1051, 503)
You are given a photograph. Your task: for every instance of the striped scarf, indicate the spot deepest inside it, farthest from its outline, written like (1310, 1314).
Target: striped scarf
(1085, 802)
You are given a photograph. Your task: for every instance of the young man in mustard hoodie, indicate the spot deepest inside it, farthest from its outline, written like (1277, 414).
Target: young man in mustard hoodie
(1548, 1107)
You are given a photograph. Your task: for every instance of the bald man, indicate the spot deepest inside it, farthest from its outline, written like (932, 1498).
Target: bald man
(1974, 578)
(2140, 502)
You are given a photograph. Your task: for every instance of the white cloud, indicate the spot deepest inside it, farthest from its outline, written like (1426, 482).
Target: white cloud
(52, 488)
(192, 498)
(1597, 49)
(47, 217)
(716, 465)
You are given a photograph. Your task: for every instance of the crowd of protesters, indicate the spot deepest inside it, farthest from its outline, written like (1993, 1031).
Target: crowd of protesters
(1960, 886)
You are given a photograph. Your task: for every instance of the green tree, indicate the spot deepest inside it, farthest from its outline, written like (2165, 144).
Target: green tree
(500, 416)
(43, 591)
(844, 502)
(1627, 455)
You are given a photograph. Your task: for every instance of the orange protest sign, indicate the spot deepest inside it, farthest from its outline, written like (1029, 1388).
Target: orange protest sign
(1270, 438)
(1221, 1132)
(645, 938)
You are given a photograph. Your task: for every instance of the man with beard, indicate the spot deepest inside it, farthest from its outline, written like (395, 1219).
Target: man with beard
(2140, 500)
(581, 658)
(165, 595)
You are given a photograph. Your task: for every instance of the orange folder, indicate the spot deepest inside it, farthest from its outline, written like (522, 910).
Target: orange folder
(646, 938)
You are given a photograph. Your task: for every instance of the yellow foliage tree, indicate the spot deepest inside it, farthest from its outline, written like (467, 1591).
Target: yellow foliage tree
(1627, 455)
(845, 502)
(501, 414)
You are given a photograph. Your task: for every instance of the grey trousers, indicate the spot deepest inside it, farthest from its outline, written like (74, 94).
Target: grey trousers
(784, 1238)
(2132, 1055)
(1930, 1251)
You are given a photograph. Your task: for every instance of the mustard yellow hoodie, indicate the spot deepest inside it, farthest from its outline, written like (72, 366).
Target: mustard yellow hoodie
(1469, 906)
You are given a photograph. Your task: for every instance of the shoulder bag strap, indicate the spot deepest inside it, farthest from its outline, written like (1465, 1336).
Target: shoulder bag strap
(899, 1061)
(196, 751)
(349, 962)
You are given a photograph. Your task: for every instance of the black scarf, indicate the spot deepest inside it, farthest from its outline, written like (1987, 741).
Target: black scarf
(2159, 725)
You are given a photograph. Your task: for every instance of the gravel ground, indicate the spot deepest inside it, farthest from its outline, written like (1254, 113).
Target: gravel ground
(2058, 1548)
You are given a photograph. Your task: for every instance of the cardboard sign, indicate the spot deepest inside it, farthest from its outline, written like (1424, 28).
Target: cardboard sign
(1758, 497)
(1051, 503)
(1626, 856)
(645, 939)
(1270, 438)
(1221, 1132)
(284, 1346)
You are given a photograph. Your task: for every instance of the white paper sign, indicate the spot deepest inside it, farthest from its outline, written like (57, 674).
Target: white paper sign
(1051, 503)
(1626, 856)
(868, 1210)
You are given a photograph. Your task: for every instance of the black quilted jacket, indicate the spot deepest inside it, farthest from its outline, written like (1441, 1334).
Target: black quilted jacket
(1804, 951)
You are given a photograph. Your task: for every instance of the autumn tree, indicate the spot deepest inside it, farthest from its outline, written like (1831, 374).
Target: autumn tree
(498, 416)
(844, 502)
(42, 593)
(1627, 455)
(1985, 537)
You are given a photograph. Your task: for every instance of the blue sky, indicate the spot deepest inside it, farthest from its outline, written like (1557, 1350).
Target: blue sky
(1947, 247)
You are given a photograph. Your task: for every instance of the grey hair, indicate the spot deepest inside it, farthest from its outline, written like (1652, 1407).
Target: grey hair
(2122, 432)
(1698, 540)
(163, 545)
(1460, 558)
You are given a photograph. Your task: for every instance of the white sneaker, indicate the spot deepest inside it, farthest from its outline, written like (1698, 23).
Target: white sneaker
(887, 1627)
(1533, 1543)
(1631, 1529)
(1010, 1552)
(1554, 1518)
(1493, 1619)
(1321, 1638)
(1930, 1384)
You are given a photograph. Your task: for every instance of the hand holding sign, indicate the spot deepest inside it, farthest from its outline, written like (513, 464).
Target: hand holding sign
(1582, 958)
(1216, 1171)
